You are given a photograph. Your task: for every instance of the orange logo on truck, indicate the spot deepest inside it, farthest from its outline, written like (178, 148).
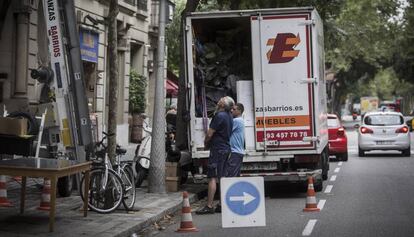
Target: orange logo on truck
(282, 50)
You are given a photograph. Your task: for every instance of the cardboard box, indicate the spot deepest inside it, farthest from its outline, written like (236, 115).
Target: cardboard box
(172, 169)
(13, 126)
(172, 184)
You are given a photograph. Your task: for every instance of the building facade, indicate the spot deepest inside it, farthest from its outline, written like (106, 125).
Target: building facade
(23, 47)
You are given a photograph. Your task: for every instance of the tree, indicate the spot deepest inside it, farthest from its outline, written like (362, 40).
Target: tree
(113, 77)
(361, 37)
(364, 44)
(137, 87)
(404, 54)
(173, 42)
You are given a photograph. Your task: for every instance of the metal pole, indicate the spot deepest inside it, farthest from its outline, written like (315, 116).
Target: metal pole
(156, 177)
(82, 123)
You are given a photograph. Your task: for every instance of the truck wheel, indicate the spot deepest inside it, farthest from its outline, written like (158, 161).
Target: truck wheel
(361, 153)
(64, 186)
(184, 172)
(325, 164)
(318, 185)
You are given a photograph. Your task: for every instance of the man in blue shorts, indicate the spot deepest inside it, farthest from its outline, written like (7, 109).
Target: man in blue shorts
(235, 159)
(236, 142)
(218, 139)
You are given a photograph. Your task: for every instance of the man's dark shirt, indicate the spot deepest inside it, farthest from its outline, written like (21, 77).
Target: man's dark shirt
(222, 123)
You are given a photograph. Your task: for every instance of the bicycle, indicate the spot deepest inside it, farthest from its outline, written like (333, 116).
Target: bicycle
(110, 184)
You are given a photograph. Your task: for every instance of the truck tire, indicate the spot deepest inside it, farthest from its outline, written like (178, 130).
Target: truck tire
(65, 185)
(325, 164)
(184, 172)
(318, 185)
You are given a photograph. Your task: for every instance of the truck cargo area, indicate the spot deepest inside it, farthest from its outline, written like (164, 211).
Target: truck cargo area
(271, 61)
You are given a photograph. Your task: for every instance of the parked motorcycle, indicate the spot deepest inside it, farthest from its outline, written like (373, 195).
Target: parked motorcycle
(142, 159)
(142, 156)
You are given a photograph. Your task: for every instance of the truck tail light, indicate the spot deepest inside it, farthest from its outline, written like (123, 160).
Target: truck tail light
(366, 130)
(340, 132)
(402, 130)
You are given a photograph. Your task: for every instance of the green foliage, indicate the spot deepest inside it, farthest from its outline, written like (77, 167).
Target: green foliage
(362, 38)
(404, 55)
(137, 88)
(173, 39)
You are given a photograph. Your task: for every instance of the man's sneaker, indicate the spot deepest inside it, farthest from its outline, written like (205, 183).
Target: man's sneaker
(205, 210)
(218, 208)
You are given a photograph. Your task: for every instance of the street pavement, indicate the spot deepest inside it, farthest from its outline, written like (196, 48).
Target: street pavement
(365, 196)
(149, 208)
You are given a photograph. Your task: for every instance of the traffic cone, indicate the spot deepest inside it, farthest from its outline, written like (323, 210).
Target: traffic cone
(186, 218)
(4, 202)
(45, 200)
(311, 204)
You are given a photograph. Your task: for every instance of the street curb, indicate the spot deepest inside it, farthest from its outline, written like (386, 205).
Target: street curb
(193, 197)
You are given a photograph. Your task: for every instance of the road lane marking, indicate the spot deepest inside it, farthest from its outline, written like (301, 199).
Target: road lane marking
(328, 189)
(337, 170)
(333, 178)
(321, 204)
(309, 227)
(340, 163)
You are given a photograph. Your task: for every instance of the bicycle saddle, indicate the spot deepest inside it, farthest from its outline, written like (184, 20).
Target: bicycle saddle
(120, 150)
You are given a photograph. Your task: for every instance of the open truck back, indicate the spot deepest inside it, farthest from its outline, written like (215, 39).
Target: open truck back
(272, 61)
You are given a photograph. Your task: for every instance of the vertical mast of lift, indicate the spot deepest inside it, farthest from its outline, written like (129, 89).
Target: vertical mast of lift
(71, 104)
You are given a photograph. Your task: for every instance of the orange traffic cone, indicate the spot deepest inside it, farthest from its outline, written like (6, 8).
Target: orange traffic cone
(45, 200)
(186, 218)
(4, 202)
(311, 204)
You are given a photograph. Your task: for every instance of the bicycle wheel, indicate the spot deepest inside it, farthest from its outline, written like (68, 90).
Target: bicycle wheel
(105, 194)
(127, 176)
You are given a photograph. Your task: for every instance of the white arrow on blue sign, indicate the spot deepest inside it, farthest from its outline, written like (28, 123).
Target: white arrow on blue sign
(242, 198)
(242, 201)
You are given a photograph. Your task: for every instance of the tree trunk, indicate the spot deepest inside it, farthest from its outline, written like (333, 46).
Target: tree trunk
(182, 110)
(156, 173)
(113, 77)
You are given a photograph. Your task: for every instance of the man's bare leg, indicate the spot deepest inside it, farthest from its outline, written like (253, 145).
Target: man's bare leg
(211, 191)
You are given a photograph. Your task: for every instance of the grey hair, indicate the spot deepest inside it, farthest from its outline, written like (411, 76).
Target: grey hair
(228, 103)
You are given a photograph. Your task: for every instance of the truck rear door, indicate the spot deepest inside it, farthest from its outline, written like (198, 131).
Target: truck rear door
(283, 81)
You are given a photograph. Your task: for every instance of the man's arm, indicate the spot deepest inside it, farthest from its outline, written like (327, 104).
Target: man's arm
(208, 137)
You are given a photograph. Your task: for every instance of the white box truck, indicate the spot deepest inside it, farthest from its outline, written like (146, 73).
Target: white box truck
(272, 61)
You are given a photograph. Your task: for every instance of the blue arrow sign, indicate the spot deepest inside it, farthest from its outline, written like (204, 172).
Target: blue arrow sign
(242, 198)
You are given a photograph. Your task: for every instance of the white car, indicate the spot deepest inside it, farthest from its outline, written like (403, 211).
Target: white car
(383, 131)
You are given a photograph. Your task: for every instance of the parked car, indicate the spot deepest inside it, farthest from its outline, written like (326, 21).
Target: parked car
(384, 131)
(338, 141)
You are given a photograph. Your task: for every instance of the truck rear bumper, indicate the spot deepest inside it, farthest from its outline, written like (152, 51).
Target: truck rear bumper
(274, 176)
(287, 176)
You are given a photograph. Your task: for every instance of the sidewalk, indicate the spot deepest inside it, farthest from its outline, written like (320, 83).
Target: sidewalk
(69, 220)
